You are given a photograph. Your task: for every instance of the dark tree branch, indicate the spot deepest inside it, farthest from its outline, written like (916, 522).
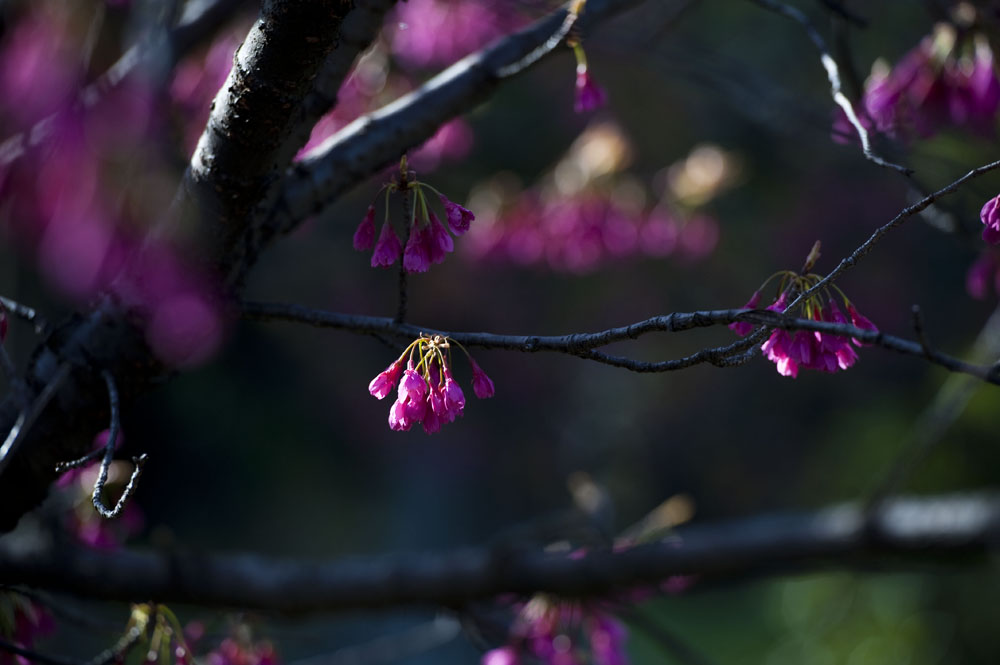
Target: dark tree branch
(376, 140)
(584, 345)
(913, 530)
(246, 141)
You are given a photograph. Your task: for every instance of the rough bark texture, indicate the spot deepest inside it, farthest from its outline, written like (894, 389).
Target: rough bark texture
(946, 528)
(245, 144)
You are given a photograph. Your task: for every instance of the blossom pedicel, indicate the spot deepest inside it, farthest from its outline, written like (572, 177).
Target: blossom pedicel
(427, 239)
(427, 392)
(794, 350)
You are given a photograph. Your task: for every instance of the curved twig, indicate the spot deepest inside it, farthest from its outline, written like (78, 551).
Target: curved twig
(833, 74)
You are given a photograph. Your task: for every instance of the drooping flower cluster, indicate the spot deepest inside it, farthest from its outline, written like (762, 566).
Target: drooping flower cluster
(808, 349)
(427, 239)
(561, 634)
(945, 80)
(427, 393)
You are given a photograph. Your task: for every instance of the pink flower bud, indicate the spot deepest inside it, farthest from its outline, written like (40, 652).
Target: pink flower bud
(382, 384)
(990, 214)
(364, 237)
(742, 328)
(458, 216)
(387, 249)
(860, 321)
(589, 95)
(416, 257)
(482, 385)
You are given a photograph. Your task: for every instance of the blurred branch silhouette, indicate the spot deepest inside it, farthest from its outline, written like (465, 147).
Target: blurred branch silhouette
(901, 531)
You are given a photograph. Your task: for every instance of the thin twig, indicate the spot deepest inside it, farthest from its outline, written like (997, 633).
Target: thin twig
(26, 418)
(26, 313)
(109, 451)
(585, 345)
(908, 212)
(545, 48)
(833, 74)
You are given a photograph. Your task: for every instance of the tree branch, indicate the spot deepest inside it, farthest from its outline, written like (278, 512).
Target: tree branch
(584, 345)
(903, 530)
(376, 140)
(247, 139)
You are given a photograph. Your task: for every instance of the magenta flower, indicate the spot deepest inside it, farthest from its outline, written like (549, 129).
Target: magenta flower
(416, 257)
(482, 385)
(859, 320)
(589, 95)
(364, 237)
(427, 392)
(458, 216)
(387, 249)
(383, 384)
(742, 328)
(454, 398)
(437, 241)
(990, 215)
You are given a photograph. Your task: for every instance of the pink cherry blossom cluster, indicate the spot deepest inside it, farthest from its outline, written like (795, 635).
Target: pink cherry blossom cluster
(22, 620)
(427, 393)
(427, 239)
(562, 634)
(579, 234)
(806, 349)
(943, 81)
